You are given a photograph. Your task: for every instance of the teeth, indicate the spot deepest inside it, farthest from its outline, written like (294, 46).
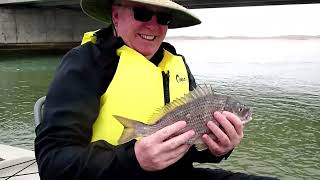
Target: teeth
(147, 37)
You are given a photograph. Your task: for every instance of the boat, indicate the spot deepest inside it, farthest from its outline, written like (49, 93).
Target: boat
(20, 164)
(17, 164)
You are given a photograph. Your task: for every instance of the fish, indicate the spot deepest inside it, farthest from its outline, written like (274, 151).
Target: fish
(196, 108)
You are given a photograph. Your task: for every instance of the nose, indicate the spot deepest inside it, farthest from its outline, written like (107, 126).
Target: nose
(153, 20)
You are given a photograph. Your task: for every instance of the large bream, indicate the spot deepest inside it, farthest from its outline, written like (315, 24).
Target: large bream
(196, 108)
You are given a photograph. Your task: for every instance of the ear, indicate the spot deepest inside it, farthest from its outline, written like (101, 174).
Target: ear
(115, 15)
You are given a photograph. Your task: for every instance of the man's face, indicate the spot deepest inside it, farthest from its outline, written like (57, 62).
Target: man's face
(144, 37)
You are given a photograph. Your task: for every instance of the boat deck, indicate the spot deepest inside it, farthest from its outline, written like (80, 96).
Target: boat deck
(17, 164)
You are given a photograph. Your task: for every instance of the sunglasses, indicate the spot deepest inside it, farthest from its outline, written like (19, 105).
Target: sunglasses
(145, 15)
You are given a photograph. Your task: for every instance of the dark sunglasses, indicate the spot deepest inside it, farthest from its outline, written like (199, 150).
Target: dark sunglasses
(145, 15)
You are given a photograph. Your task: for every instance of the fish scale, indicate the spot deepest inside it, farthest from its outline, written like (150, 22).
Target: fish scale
(201, 114)
(196, 108)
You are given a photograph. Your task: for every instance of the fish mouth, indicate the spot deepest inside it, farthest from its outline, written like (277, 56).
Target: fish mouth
(247, 118)
(245, 121)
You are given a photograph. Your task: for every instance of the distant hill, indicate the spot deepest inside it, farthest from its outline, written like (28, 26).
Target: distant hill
(287, 37)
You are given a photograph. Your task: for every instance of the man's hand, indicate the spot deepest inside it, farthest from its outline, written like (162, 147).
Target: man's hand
(156, 152)
(229, 134)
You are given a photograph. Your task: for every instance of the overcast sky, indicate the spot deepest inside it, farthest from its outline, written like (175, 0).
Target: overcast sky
(255, 21)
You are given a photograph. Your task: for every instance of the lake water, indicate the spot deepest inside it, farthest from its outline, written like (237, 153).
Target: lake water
(280, 79)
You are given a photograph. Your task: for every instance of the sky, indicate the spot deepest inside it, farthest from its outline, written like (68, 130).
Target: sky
(255, 21)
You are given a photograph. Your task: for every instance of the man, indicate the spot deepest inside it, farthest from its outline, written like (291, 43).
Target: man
(127, 71)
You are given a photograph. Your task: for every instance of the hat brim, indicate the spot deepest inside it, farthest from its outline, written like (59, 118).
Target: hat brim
(101, 10)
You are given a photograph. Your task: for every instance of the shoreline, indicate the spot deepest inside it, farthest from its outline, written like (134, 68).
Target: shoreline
(289, 37)
(56, 47)
(63, 47)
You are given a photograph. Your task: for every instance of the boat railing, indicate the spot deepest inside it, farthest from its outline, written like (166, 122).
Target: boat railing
(38, 110)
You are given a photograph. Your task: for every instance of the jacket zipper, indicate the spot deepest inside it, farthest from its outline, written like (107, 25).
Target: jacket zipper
(165, 77)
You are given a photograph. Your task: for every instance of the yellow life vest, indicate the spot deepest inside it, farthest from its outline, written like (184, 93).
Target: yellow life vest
(89, 37)
(137, 90)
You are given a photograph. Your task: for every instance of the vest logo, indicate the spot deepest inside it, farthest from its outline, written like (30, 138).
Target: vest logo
(180, 79)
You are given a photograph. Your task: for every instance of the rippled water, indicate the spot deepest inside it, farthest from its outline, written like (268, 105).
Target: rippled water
(280, 79)
(23, 79)
(281, 83)
(283, 138)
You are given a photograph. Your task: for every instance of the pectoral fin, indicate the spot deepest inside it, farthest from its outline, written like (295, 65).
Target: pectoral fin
(201, 147)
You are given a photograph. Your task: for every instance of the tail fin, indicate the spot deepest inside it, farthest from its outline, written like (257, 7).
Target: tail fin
(129, 131)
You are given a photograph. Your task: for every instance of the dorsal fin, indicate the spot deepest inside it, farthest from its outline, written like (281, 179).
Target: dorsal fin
(199, 91)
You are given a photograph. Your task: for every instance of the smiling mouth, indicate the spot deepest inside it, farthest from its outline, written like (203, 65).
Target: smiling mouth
(147, 37)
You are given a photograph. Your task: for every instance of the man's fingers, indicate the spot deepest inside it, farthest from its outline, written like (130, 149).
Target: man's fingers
(235, 121)
(225, 124)
(167, 131)
(177, 154)
(222, 138)
(212, 145)
(181, 150)
(177, 141)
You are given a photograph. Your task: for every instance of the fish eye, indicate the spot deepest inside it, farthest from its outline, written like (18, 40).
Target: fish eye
(241, 108)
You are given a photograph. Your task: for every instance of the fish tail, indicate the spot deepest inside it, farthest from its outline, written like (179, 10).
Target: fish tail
(129, 131)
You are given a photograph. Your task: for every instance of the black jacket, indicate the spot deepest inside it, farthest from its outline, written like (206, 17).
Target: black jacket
(62, 145)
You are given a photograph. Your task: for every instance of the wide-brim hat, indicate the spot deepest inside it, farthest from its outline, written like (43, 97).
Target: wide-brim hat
(101, 11)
